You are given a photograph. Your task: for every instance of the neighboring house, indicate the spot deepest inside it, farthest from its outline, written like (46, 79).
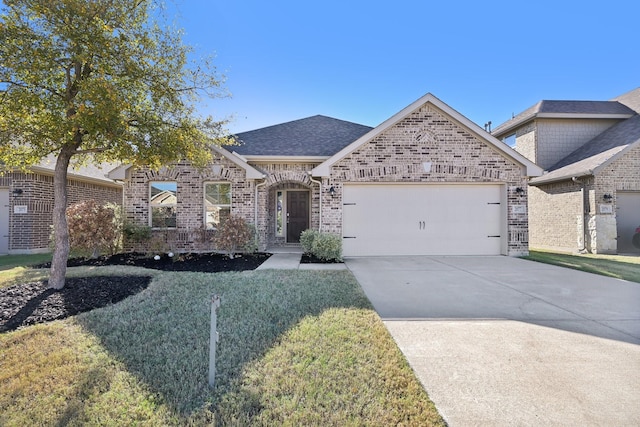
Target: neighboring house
(26, 202)
(589, 197)
(426, 181)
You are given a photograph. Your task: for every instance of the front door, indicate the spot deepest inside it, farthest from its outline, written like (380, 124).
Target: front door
(297, 214)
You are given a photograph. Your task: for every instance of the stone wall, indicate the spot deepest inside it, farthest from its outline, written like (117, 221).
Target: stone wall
(454, 154)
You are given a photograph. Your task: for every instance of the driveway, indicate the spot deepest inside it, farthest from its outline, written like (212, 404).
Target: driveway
(503, 341)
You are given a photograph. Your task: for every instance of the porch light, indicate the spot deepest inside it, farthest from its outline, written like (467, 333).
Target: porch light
(607, 197)
(332, 191)
(17, 192)
(520, 191)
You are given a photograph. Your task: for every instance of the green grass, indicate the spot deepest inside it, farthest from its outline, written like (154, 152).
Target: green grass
(296, 348)
(11, 261)
(618, 266)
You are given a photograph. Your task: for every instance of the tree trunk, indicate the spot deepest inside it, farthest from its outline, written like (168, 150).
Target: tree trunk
(60, 229)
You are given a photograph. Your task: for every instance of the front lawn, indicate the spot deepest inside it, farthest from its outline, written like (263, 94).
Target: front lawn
(621, 267)
(296, 348)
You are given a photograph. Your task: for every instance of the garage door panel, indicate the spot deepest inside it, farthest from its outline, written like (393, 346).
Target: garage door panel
(421, 219)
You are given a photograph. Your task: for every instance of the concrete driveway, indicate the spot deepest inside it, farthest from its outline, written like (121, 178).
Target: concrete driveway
(503, 341)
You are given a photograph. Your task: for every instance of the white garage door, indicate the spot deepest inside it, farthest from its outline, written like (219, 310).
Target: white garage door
(628, 220)
(423, 219)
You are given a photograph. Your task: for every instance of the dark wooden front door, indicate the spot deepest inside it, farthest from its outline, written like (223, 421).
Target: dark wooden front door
(297, 214)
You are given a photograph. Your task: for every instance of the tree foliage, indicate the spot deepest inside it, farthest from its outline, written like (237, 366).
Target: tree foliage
(99, 80)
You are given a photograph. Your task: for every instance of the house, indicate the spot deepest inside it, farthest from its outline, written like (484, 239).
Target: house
(588, 199)
(26, 202)
(426, 181)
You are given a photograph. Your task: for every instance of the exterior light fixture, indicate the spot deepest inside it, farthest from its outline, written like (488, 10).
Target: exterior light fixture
(17, 192)
(607, 197)
(520, 191)
(332, 191)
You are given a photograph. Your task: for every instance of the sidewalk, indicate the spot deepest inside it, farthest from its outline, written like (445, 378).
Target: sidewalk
(291, 261)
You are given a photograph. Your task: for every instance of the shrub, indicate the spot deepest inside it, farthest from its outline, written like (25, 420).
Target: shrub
(233, 234)
(94, 228)
(306, 239)
(327, 246)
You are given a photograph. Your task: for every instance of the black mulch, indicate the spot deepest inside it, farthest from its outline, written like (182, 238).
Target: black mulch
(199, 262)
(32, 303)
(312, 259)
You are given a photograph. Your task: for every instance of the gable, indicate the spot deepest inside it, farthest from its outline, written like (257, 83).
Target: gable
(429, 128)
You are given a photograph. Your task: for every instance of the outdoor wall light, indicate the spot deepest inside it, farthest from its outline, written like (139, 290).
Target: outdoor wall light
(332, 191)
(520, 191)
(17, 192)
(607, 197)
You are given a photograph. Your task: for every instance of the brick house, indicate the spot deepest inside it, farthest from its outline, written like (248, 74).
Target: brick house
(425, 181)
(589, 196)
(26, 202)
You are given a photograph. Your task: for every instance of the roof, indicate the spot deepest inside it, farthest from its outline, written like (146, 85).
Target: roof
(566, 109)
(596, 153)
(631, 99)
(530, 168)
(316, 136)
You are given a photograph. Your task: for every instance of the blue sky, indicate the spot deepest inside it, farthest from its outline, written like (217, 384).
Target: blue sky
(365, 61)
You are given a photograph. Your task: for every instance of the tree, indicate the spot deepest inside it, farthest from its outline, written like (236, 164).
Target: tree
(95, 81)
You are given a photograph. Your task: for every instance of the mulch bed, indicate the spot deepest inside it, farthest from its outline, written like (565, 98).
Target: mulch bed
(32, 303)
(197, 262)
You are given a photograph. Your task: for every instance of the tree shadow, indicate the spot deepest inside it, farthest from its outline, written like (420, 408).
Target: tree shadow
(162, 335)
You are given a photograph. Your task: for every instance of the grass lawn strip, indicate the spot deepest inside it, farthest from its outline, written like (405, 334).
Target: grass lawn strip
(296, 346)
(620, 267)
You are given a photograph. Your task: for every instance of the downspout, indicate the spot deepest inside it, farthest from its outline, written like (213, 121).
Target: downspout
(255, 202)
(320, 197)
(584, 215)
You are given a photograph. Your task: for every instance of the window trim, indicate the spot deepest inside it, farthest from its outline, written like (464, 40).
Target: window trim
(152, 205)
(204, 200)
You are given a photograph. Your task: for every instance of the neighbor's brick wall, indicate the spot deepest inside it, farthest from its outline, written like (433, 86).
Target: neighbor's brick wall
(30, 232)
(188, 234)
(456, 155)
(555, 217)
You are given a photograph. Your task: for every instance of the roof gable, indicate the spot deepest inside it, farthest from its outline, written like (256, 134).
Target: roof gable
(566, 109)
(597, 153)
(318, 135)
(531, 169)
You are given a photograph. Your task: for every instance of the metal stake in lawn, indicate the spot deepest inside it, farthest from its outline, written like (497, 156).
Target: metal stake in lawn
(213, 340)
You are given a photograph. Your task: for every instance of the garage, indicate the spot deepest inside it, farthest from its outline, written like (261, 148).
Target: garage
(628, 220)
(423, 219)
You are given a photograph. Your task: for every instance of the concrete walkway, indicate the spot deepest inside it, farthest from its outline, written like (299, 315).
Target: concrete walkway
(291, 261)
(500, 341)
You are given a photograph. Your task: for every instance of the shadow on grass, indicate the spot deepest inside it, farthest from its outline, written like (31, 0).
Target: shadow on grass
(162, 334)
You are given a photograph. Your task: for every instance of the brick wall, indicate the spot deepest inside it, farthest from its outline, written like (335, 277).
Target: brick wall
(188, 234)
(30, 231)
(555, 217)
(456, 155)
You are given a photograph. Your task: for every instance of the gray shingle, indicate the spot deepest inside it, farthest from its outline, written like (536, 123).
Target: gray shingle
(312, 136)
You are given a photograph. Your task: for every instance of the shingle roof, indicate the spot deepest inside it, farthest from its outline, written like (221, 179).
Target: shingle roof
(595, 153)
(565, 107)
(313, 136)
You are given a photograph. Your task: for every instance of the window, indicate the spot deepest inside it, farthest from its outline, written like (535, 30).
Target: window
(279, 211)
(163, 202)
(217, 203)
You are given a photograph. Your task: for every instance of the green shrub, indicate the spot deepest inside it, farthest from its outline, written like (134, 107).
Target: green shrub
(306, 239)
(233, 234)
(327, 246)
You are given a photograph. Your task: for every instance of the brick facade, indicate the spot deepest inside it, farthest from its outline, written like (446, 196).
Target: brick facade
(398, 154)
(30, 231)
